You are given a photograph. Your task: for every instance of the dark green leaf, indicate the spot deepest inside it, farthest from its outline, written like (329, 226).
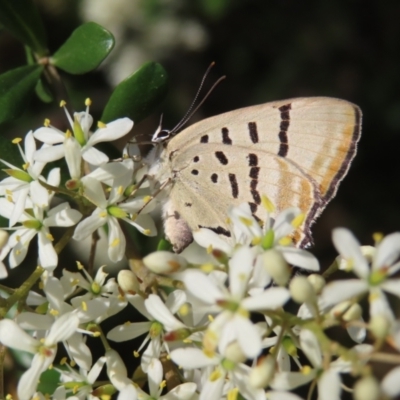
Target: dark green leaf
(22, 19)
(163, 244)
(84, 50)
(137, 96)
(43, 91)
(48, 381)
(16, 88)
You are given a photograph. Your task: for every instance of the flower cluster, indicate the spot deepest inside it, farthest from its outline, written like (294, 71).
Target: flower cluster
(220, 321)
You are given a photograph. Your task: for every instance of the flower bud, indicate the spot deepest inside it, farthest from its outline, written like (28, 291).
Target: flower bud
(317, 281)
(3, 238)
(276, 266)
(366, 388)
(164, 262)
(301, 290)
(379, 326)
(234, 353)
(262, 374)
(128, 281)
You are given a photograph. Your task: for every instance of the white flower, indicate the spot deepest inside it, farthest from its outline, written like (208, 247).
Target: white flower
(327, 375)
(18, 185)
(82, 142)
(11, 335)
(184, 391)
(161, 320)
(82, 381)
(375, 279)
(233, 304)
(108, 211)
(219, 374)
(38, 224)
(275, 234)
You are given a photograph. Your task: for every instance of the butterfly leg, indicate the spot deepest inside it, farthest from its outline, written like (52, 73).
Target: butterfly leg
(176, 229)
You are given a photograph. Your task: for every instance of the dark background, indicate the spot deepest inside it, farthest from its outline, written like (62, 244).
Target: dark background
(269, 50)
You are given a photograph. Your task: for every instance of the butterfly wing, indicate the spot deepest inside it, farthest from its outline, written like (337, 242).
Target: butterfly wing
(295, 152)
(210, 181)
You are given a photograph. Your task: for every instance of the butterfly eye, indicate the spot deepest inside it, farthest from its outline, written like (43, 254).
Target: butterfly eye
(161, 136)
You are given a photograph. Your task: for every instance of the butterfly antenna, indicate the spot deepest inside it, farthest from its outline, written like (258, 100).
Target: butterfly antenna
(190, 112)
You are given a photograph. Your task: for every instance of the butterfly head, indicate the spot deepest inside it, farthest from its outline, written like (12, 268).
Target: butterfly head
(161, 135)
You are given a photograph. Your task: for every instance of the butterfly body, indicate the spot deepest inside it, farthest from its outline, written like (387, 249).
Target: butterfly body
(294, 151)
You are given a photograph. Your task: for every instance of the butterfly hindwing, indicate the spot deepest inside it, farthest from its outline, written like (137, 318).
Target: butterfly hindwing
(208, 181)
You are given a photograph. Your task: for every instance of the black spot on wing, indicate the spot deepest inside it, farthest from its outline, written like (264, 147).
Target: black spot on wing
(219, 230)
(253, 160)
(283, 130)
(254, 192)
(225, 136)
(254, 171)
(204, 139)
(234, 185)
(253, 132)
(196, 159)
(214, 178)
(221, 157)
(195, 172)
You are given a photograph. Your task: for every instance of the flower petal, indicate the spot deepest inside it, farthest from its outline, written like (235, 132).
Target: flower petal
(349, 248)
(113, 131)
(11, 335)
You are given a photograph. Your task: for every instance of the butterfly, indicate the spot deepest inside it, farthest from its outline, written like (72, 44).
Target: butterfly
(296, 152)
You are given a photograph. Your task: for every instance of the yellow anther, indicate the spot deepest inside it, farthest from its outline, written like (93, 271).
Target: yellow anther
(50, 236)
(246, 221)
(101, 125)
(88, 102)
(214, 376)
(16, 140)
(147, 232)
(115, 242)
(209, 249)
(267, 204)
(84, 306)
(79, 265)
(207, 267)
(46, 122)
(298, 220)
(63, 361)
(285, 241)
(136, 354)
(377, 236)
(306, 370)
(26, 166)
(120, 190)
(103, 214)
(63, 103)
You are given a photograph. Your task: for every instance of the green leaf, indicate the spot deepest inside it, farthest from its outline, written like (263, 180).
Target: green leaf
(22, 19)
(43, 91)
(48, 381)
(138, 95)
(84, 50)
(16, 88)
